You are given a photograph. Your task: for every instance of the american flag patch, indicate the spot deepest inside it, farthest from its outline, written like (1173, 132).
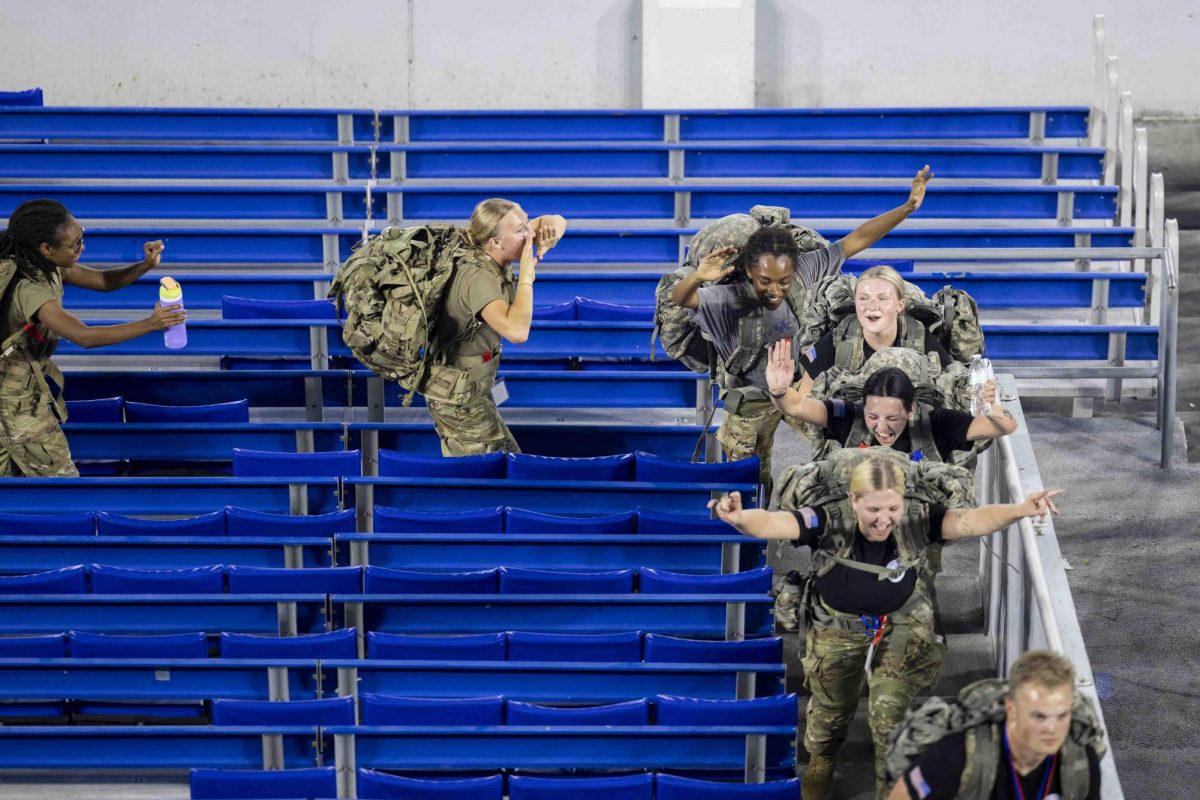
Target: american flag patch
(810, 353)
(810, 517)
(918, 783)
(839, 407)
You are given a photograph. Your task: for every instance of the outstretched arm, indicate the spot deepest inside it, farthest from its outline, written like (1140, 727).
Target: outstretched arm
(711, 268)
(781, 372)
(73, 329)
(109, 280)
(754, 521)
(875, 229)
(965, 523)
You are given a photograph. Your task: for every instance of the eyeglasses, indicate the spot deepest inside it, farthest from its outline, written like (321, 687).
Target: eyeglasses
(75, 247)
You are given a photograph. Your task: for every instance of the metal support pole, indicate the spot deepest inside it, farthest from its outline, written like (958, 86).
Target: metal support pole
(1110, 122)
(1168, 341)
(683, 208)
(1157, 222)
(345, 127)
(1037, 127)
(670, 128)
(347, 770)
(1099, 83)
(675, 165)
(1066, 208)
(314, 400)
(1141, 189)
(1126, 149)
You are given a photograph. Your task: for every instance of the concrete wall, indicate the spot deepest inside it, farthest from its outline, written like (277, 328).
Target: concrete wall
(582, 53)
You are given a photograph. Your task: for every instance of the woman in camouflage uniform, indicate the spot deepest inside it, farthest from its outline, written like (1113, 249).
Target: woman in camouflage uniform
(868, 613)
(39, 252)
(484, 303)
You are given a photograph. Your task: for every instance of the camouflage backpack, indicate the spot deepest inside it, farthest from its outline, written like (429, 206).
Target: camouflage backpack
(390, 289)
(676, 326)
(933, 388)
(826, 484)
(952, 315)
(978, 711)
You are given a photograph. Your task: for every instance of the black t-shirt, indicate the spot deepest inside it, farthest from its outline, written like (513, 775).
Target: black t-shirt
(938, 771)
(819, 357)
(855, 591)
(949, 427)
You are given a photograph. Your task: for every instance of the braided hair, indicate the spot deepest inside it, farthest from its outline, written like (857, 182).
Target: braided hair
(769, 240)
(32, 223)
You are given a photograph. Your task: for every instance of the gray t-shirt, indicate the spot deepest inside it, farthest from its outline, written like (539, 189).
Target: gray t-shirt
(717, 309)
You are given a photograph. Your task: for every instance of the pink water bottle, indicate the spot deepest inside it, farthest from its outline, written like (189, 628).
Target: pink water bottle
(170, 293)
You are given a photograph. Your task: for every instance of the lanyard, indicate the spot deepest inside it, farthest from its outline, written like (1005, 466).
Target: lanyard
(1047, 776)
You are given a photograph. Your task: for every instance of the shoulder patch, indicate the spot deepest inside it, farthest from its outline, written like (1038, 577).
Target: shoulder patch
(839, 407)
(810, 516)
(810, 353)
(917, 779)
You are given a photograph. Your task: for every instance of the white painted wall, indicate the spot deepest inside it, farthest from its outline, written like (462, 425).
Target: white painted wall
(582, 53)
(710, 41)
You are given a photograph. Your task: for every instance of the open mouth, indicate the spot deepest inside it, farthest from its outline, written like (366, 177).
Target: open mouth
(873, 318)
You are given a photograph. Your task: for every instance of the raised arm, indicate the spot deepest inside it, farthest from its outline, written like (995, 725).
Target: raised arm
(964, 523)
(711, 268)
(781, 373)
(513, 321)
(73, 329)
(996, 423)
(754, 521)
(548, 228)
(109, 280)
(875, 229)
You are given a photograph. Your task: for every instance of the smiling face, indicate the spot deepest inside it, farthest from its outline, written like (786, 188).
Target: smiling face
(878, 513)
(886, 417)
(509, 240)
(877, 306)
(1039, 718)
(771, 277)
(65, 252)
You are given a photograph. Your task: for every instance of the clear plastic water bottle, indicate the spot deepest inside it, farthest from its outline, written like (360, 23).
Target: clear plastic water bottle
(979, 374)
(170, 293)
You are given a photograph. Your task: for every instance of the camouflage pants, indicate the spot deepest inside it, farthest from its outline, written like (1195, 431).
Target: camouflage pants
(471, 428)
(32, 444)
(906, 664)
(751, 432)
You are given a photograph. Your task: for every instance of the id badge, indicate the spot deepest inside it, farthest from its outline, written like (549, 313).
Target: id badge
(499, 392)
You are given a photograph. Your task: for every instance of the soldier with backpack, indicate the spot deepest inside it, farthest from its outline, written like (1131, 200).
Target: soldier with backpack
(39, 252)
(764, 304)
(869, 517)
(428, 306)
(879, 405)
(1032, 736)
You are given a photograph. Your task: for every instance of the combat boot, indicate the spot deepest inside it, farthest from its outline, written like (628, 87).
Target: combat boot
(818, 778)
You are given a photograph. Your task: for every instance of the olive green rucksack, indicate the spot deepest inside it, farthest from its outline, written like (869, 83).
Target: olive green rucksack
(978, 711)
(390, 289)
(676, 326)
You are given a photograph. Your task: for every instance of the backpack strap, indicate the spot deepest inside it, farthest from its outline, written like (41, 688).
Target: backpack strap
(752, 335)
(911, 334)
(920, 433)
(1074, 772)
(848, 344)
(982, 760)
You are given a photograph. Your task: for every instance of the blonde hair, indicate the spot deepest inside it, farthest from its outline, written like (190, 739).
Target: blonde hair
(485, 220)
(883, 272)
(1042, 667)
(876, 475)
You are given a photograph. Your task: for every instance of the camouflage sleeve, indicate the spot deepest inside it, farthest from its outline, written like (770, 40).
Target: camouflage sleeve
(937, 770)
(29, 296)
(481, 289)
(820, 263)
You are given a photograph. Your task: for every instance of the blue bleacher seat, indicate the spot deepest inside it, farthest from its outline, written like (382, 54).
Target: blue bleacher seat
(236, 784)
(280, 580)
(560, 311)
(247, 522)
(525, 646)
(71, 523)
(411, 647)
(516, 580)
(68, 580)
(264, 464)
(673, 787)
(379, 709)
(103, 645)
(393, 464)
(53, 645)
(649, 467)
(525, 467)
(102, 409)
(211, 524)
(518, 520)
(657, 581)
(630, 712)
(233, 411)
(251, 308)
(334, 644)
(396, 520)
(108, 579)
(374, 785)
(778, 710)
(381, 580)
(329, 711)
(664, 522)
(616, 787)
(599, 311)
(675, 650)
